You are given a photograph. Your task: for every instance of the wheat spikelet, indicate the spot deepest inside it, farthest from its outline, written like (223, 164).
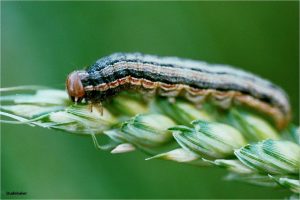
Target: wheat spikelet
(242, 142)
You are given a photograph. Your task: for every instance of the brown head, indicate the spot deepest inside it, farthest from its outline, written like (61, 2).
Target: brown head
(74, 87)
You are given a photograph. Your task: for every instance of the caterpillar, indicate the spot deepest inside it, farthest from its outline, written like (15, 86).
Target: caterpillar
(196, 81)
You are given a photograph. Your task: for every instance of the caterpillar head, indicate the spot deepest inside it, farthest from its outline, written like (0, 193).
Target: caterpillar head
(74, 87)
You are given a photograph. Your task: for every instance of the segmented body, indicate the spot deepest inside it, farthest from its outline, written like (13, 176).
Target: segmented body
(196, 81)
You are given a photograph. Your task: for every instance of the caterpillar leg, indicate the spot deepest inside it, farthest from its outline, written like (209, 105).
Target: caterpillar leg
(91, 106)
(98, 106)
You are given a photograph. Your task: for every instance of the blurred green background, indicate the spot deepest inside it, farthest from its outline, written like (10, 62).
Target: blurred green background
(43, 41)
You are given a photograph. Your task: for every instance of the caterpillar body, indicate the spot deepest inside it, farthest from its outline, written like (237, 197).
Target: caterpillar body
(171, 76)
